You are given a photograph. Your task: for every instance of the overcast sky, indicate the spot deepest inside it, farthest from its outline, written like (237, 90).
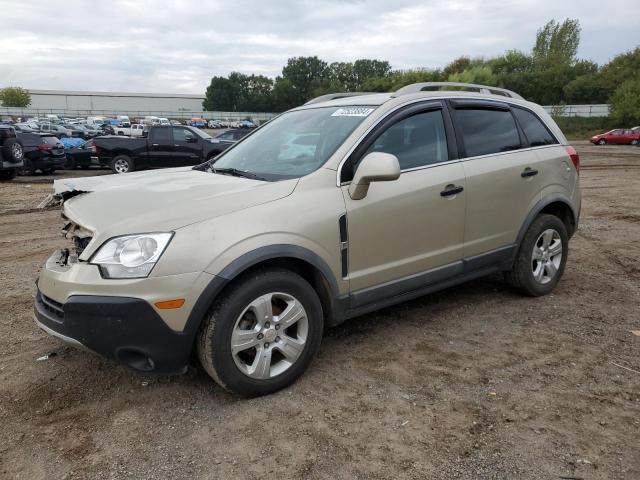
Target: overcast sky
(139, 46)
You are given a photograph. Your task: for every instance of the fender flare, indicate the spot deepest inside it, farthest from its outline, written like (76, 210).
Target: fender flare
(538, 207)
(246, 261)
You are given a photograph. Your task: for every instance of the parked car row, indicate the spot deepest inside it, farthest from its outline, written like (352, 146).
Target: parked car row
(619, 136)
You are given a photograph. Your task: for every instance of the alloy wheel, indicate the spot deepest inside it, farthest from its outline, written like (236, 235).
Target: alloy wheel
(547, 256)
(269, 335)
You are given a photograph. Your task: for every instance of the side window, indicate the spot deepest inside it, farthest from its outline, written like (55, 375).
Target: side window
(161, 135)
(487, 131)
(225, 136)
(417, 141)
(533, 128)
(182, 134)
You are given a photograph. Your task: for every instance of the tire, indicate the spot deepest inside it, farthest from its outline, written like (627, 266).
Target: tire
(122, 164)
(48, 171)
(534, 276)
(27, 168)
(8, 174)
(71, 164)
(635, 141)
(602, 141)
(85, 167)
(235, 311)
(13, 150)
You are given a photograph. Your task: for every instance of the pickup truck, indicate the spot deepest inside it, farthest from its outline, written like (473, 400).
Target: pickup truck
(133, 130)
(163, 147)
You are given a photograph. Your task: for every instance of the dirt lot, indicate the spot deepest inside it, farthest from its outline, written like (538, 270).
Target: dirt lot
(473, 382)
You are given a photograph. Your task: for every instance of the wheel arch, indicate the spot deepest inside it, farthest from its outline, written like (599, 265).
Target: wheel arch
(557, 205)
(300, 260)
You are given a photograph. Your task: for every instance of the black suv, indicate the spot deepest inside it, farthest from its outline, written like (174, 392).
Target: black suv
(11, 153)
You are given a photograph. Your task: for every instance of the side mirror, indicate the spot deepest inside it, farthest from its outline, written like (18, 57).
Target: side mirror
(375, 167)
(192, 140)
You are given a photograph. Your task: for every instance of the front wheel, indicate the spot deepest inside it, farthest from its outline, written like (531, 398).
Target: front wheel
(122, 164)
(262, 334)
(635, 141)
(602, 141)
(541, 258)
(8, 174)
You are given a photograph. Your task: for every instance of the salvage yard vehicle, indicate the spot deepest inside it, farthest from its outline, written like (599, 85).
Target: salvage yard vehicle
(57, 130)
(78, 155)
(11, 153)
(245, 260)
(133, 130)
(42, 151)
(619, 136)
(163, 147)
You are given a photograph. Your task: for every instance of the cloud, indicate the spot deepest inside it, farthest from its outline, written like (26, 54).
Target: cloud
(176, 46)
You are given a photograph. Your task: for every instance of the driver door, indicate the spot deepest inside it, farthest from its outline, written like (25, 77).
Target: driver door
(407, 233)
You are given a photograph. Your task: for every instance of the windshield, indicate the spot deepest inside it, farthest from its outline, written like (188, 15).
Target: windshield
(293, 144)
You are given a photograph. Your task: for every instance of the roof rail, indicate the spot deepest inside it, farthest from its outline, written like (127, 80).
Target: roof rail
(418, 87)
(334, 96)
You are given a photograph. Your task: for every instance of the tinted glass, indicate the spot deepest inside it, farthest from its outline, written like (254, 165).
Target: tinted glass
(417, 141)
(182, 134)
(161, 135)
(487, 131)
(534, 129)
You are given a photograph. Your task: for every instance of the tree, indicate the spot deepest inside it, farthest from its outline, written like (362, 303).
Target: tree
(557, 43)
(221, 95)
(459, 65)
(15, 97)
(625, 103)
(365, 68)
(305, 74)
(621, 68)
(481, 75)
(284, 95)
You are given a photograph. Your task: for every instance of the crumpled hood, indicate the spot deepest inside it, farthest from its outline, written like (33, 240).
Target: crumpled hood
(161, 200)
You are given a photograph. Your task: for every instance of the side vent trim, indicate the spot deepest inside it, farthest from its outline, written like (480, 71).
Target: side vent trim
(344, 245)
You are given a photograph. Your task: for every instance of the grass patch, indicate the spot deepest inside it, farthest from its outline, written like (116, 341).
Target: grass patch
(583, 128)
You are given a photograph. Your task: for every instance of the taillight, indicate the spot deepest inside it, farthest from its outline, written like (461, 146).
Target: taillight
(44, 146)
(93, 147)
(575, 158)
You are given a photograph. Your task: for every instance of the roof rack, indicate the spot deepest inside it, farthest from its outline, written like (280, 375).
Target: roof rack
(418, 87)
(334, 96)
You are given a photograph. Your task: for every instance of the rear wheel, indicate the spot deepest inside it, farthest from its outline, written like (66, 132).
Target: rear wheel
(262, 334)
(122, 164)
(635, 141)
(27, 168)
(542, 257)
(13, 150)
(48, 171)
(8, 174)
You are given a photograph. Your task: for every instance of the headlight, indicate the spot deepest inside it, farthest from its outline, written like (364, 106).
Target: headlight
(131, 256)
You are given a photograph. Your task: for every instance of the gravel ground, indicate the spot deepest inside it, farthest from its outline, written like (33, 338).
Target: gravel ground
(472, 382)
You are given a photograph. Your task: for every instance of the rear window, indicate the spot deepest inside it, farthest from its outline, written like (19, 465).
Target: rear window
(533, 128)
(487, 131)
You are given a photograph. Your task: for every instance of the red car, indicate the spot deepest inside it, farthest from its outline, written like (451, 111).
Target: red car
(621, 136)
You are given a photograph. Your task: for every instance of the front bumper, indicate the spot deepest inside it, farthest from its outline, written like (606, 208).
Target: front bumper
(124, 329)
(117, 318)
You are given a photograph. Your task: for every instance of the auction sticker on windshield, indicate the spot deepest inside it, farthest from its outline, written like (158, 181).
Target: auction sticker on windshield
(352, 112)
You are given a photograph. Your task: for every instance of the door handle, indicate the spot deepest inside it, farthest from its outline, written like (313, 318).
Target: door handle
(155, 144)
(451, 189)
(529, 172)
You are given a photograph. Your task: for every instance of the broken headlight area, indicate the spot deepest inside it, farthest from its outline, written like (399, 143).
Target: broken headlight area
(79, 236)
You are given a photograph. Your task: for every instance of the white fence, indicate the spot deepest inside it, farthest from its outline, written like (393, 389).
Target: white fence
(601, 110)
(177, 115)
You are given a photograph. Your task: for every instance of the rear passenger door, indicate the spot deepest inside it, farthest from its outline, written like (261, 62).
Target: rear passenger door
(160, 147)
(503, 181)
(187, 147)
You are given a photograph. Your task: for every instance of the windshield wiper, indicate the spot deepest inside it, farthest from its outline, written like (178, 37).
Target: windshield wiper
(237, 173)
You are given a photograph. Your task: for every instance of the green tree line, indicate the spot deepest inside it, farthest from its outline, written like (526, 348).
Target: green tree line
(549, 74)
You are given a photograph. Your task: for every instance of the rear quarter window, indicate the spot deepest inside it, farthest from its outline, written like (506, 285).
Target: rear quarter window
(536, 132)
(486, 131)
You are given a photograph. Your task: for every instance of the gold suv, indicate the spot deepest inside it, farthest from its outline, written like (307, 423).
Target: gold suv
(347, 204)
